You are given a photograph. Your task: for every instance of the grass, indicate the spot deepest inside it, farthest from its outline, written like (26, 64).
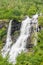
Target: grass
(3, 61)
(10, 9)
(40, 20)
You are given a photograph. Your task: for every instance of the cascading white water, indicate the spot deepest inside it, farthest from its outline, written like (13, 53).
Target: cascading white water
(20, 44)
(6, 48)
(35, 23)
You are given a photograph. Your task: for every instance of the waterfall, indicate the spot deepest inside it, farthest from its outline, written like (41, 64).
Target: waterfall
(20, 44)
(6, 48)
(35, 23)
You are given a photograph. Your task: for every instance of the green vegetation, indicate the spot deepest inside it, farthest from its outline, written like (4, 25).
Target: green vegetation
(3, 61)
(2, 34)
(19, 8)
(40, 19)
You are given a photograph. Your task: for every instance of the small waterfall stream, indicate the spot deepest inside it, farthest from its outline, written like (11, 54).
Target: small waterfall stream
(35, 23)
(6, 48)
(20, 44)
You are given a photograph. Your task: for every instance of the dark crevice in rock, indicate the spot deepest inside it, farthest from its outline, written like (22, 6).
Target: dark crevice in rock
(29, 43)
(15, 26)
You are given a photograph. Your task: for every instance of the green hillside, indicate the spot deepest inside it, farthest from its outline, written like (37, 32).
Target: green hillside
(19, 8)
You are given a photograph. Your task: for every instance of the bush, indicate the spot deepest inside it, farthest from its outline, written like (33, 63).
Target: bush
(3, 61)
(40, 20)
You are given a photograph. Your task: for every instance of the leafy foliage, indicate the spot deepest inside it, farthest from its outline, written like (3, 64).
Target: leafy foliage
(3, 61)
(19, 8)
(2, 32)
(40, 19)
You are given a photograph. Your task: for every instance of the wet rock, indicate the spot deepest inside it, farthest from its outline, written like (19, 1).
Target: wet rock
(15, 36)
(4, 39)
(1, 26)
(39, 27)
(15, 26)
(30, 46)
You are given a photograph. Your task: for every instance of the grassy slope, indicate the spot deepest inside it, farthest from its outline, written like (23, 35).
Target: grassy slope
(19, 8)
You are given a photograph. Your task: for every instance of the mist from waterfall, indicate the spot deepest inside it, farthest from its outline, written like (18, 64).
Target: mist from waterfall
(6, 48)
(20, 44)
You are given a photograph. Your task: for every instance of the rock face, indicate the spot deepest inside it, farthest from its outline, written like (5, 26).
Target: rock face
(4, 23)
(15, 30)
(15, 26)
